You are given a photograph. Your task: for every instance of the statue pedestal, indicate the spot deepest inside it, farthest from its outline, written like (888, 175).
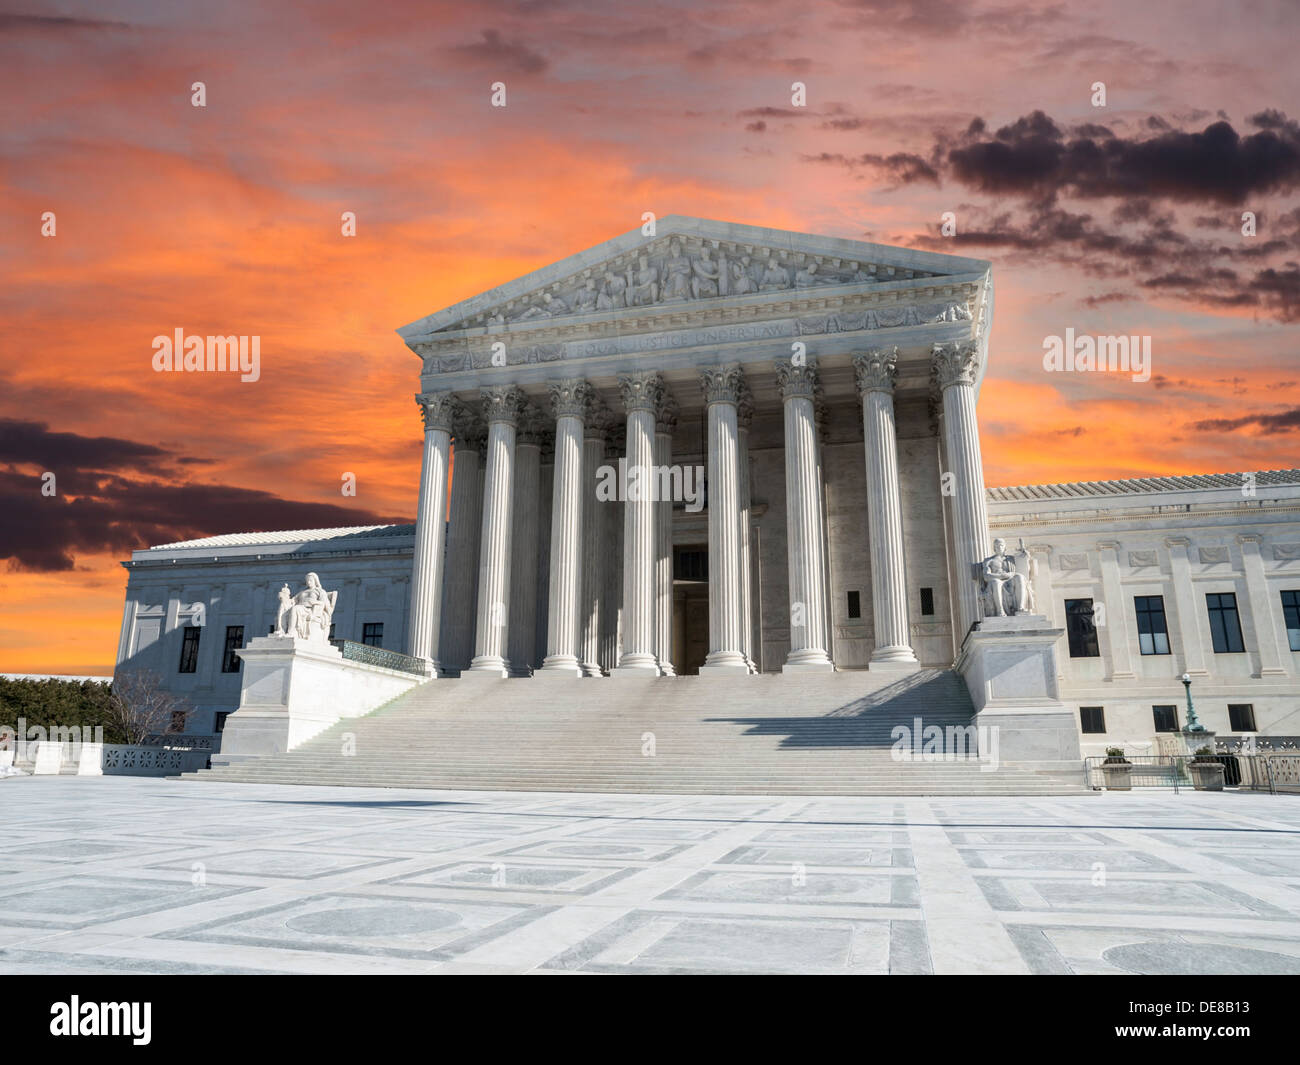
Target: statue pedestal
(1009, 665)
(293, 689)
(1191, 742)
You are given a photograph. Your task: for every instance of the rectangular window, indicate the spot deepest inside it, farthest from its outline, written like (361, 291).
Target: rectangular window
(1081, 629)
(1092, 718)
(927, 602)
(1291, 617)
(230, 662)
(189, 649)
(1166, 718)
(1153, 634)
(372, 632)
(855, 605)
(1225, 626)
(177, 722)
(1241, 717)
(219, 722)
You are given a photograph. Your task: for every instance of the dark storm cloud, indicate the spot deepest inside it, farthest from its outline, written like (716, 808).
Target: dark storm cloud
(506, 56)
(54, 24)
(1287, 421)
(1033, 156)
(104, 503)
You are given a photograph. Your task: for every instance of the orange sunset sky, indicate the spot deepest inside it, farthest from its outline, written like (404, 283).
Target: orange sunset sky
(225, 219)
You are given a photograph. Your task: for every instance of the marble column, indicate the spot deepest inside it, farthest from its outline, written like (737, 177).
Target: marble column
(642, 394)
(595, 540)
(1186, 607)
(521, 647)
(570, 401)
(501, 409)
(876, 373)
(722, 386)
(611, 608)
(956, 367)
(437, 409)
(1270, 637)
(744, 419)
(460, 574)
(1114, 619)
(665, 423)
(803, 508)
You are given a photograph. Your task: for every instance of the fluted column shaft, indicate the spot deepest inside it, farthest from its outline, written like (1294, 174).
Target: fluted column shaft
(876, 374)
(665, 421)
(460, 571)
(570, 400)
(957, 366)
(595, 549)
(642, 394)
(437, 410)
(803, 504)
(744, 418)
(722, 387)
(521, 648)
(501, 407)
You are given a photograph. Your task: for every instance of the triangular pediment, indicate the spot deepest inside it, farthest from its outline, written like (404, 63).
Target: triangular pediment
(688, 261)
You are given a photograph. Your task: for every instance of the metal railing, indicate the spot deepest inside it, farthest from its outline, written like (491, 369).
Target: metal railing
(1271, 772)
(378, 656)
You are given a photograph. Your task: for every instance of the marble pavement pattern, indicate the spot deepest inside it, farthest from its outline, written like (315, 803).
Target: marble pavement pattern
(133, 875)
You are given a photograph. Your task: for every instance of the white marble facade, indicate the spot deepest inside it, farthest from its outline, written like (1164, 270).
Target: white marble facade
(823, 388)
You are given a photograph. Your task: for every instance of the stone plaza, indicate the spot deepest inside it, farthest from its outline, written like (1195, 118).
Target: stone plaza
(128, 876)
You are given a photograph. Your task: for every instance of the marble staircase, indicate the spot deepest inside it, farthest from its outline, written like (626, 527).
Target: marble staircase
(802, 734)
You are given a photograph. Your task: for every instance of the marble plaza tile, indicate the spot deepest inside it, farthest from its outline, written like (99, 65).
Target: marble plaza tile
(1231, 839)
(79, 901)
(669, 830)
(1026, 837)
(883, 856)
(1127, 951)
(408, 841)
(1285, 863)
(58, 963)
(1113, 859)
(593, 850)
(281, 864)
(76, 850)
(833, 834)
(665, 943)
(515, 875)
(797, 887)
(1128, 895)
(390, 926)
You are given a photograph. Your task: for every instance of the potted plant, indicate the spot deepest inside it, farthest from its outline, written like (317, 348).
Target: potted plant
(1207, 771)
(1117, 770)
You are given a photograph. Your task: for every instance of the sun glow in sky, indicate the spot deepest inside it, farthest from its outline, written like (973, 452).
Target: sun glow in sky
(225, 219)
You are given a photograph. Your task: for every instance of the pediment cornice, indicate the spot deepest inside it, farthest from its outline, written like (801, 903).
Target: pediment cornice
(689, 271)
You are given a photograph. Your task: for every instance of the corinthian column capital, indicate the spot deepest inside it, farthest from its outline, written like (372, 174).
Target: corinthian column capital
(722, 384)
(876, 371)
(956, 364)
(439, 410)
(797, 379)
(571, 398)
(503, 403)
(666, 414)
(641, 390)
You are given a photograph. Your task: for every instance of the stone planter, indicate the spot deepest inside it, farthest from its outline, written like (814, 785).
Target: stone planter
(1207, 776)
(1119, 775)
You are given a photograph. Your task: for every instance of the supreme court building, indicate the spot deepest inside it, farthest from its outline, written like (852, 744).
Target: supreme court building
(724, 449)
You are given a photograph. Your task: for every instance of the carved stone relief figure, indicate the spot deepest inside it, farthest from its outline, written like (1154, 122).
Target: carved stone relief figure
(645, 286)
(708, 274)
(677, 273)
(775, 277)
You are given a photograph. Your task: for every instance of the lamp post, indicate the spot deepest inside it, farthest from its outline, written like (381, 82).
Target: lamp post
(1193, 723)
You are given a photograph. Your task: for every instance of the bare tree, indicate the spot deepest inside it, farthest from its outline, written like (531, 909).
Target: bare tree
(142, 706)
